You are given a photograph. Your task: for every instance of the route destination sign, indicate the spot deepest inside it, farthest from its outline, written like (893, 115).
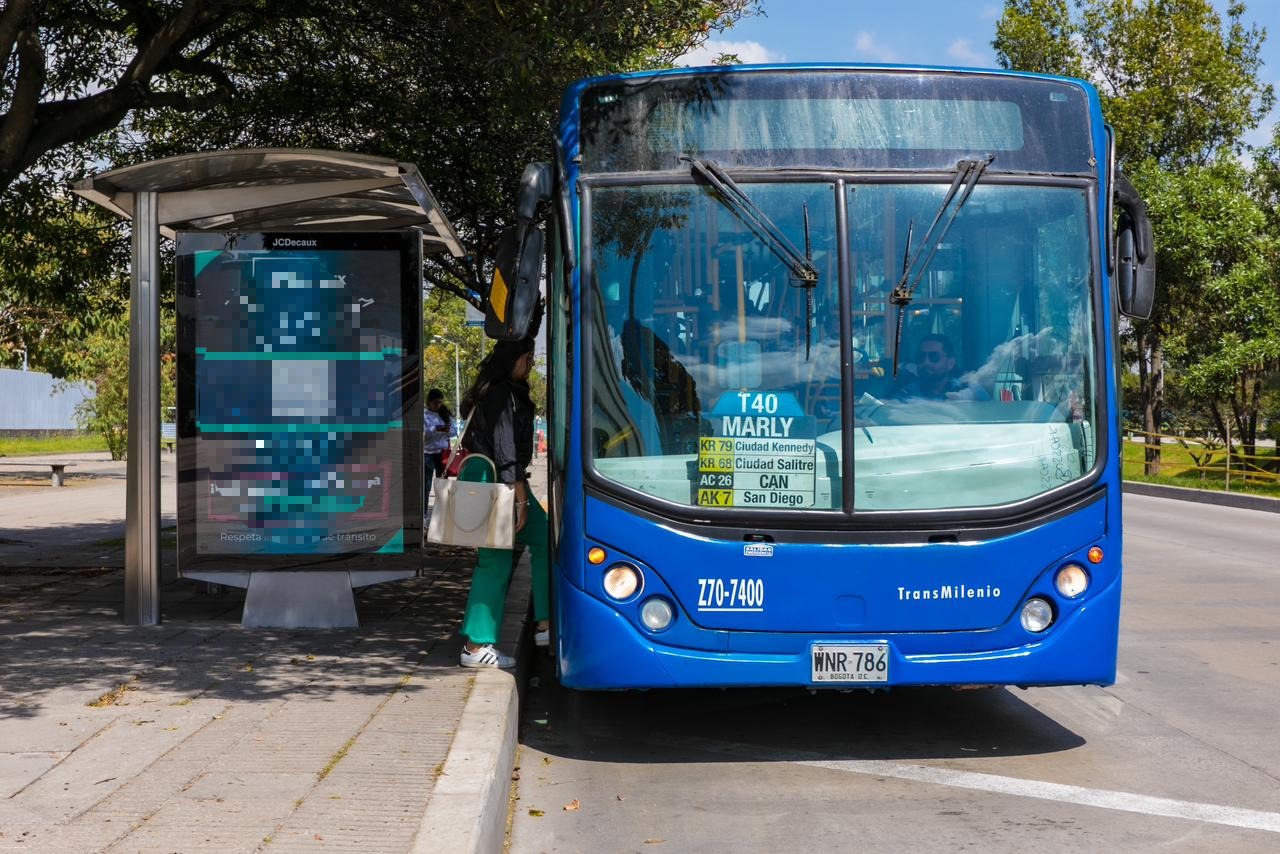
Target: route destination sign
(762, 453)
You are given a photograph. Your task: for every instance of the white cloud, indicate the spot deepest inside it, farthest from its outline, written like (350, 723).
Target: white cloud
(748, 52)
(869, 48)
(962, 51)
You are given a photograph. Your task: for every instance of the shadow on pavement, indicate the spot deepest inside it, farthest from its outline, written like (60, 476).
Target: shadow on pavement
(61, 631)
(784, 724)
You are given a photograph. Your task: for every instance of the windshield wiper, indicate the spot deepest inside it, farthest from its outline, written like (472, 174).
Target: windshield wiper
(967, 174)
(803, 273)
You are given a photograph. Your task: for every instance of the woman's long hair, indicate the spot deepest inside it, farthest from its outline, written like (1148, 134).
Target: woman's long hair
(443, 413)
(496, 367)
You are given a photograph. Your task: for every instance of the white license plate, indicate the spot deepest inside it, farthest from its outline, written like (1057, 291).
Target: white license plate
(845, 662)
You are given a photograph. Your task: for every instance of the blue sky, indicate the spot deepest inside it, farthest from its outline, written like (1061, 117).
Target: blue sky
(932, 32)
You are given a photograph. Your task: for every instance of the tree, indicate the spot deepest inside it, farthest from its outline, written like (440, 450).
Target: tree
(73, 70)
(1036, 35)
(61, 268)
(1181, 90)
(444, 323)
(72, 73)
(467, 89)
(1216, 257)
(102, 360)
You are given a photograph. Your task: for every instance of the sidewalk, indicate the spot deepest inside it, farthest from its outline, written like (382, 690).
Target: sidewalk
(199, 735)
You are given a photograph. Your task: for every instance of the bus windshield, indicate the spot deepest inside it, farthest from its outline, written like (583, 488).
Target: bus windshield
(886, 119)
(716, 380)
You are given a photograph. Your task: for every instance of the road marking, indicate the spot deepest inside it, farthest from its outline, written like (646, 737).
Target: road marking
(1057, 792)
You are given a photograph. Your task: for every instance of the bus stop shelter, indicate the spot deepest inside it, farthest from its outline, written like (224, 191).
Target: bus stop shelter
(264, 189)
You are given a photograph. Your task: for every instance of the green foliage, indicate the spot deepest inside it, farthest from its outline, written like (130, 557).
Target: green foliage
(1271, 407)
(1178, 82)
(1035, 35)
(103, 361)
(444, 323)
(60, 262)
(467, 89)
(1220, 304)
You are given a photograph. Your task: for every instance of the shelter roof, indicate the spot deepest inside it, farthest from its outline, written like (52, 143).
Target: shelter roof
(278, 189)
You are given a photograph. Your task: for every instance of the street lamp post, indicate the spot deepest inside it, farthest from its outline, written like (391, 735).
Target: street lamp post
(457, 374)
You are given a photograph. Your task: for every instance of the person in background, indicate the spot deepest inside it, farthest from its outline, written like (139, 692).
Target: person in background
(437, 430)
(501, 428)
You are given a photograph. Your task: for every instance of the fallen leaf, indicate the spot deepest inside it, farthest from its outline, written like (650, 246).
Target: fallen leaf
(537, 813)
(317, 837)
(546, 760)
(619, 797)
(572, 805)
(655, 842)
(515, 774)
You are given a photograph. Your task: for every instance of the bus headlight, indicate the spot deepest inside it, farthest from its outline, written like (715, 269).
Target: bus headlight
(1071, 580)
(657, 614)
(1037, 614)
(621, 581)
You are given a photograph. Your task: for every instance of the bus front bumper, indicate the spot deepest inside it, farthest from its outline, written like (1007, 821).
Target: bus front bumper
(600, 649)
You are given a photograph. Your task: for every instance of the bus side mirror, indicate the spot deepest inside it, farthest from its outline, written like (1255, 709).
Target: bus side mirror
(1135, 253)
(513, 292)
(517, 272)
(535, 188)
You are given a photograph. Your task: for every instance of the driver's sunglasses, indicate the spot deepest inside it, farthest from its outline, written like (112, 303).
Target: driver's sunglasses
(932, 355)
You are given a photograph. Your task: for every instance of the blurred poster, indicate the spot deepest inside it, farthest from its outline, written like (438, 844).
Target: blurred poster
(299, 413)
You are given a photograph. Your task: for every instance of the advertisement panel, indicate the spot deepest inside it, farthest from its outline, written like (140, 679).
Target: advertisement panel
(299, 410)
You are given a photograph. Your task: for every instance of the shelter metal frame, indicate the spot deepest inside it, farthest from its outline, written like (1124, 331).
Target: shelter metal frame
(260, 189)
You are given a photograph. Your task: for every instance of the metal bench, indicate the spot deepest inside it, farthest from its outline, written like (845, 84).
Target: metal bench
(169, 435)
(57, 470)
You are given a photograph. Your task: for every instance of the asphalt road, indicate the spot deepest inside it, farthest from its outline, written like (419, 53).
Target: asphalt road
(1181, 754)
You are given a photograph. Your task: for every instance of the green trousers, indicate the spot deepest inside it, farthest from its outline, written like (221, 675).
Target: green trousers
(493, 576)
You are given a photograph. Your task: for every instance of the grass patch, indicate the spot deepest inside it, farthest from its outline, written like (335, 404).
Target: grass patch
(51, 445)
(114, 696)
(1179, 467)
(335, 759)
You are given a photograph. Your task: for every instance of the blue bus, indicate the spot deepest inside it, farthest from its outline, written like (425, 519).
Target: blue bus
(832, 376)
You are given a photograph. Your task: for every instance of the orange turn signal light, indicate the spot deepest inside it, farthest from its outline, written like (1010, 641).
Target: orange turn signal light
(596, 555)
(1095, 555)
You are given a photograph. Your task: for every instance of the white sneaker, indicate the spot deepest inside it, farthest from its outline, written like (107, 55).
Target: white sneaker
(542, 637)
(487, 656)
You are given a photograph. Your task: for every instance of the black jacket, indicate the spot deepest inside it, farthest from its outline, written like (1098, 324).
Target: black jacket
(501, 428)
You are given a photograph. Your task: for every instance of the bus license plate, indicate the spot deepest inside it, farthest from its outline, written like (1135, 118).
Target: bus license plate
(859, 663)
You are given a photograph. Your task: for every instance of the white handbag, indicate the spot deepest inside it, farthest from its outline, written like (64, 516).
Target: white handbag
(472, 513)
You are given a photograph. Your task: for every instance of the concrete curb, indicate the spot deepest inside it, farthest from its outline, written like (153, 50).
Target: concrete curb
(467, 811)
(1204, 496)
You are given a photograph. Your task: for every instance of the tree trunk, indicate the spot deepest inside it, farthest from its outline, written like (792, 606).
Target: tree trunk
(1252, 404)
(1151, 377)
